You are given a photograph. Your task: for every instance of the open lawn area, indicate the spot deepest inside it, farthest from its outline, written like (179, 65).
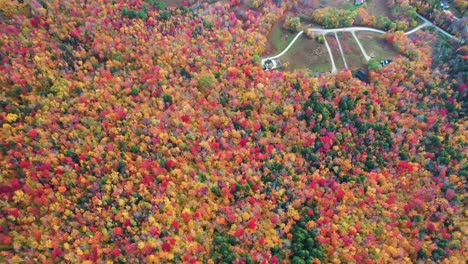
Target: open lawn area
(353, 55)
(374, 7)
(376, 46)
(378, 8)
(307, 54)
(342, 4)
(279, 39)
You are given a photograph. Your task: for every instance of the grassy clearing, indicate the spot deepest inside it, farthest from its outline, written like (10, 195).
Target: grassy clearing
(279, 39)
(376, 46)
(343, 4)
(374, 7)
(335, 51)
(378, 8)
(353, 54)
(307, 54)
(320, 67)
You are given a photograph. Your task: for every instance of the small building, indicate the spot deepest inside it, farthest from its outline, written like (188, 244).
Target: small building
(361, 75)
(271, 64)
(358, 2)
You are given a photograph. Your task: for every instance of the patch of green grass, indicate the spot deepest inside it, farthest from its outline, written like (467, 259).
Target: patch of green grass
(307, 54)
(378, 52)
(355, 61)
(376, 47)
(350, 6)
(281, 38)
(354, 57)
(335, 51)
(320, 67)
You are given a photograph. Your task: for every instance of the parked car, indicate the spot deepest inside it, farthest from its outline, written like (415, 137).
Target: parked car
(385, 62)
(444, 5)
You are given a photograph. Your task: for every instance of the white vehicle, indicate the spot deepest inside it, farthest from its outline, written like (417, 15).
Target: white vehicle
(444, 5)
(385, 62)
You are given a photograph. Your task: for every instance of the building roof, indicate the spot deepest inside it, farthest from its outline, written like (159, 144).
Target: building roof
(361, 75)
(271, 64)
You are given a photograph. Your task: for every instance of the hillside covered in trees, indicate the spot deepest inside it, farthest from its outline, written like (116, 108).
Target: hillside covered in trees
(141, 132)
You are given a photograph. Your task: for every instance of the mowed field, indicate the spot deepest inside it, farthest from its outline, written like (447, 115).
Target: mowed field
(378, 8)
(307, 54)
(376, 46)
(373, 7)
(335, 51)
(278, 39)
(353, 54)
(337, 3)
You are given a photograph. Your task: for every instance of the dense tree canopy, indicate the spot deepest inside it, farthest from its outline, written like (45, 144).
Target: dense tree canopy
(135, 132)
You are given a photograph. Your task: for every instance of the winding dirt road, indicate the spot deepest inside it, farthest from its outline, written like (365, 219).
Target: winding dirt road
(353, 30)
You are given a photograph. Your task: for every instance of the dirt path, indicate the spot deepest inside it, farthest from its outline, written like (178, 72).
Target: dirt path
(363, 51)
(341, 51)
(330, 54)
(425, 24)
(348, 29)
(323, 32)
(286, 49)
(352, 30)
(438, 28)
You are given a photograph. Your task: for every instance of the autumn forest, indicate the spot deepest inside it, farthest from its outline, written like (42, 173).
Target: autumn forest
(234, 131)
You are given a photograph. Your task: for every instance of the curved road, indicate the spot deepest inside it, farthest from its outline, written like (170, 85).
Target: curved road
(289, 46)
(323, 32)
(438, 28)
(425, 24)
(347, 29)
(363, 51)
(353, 30)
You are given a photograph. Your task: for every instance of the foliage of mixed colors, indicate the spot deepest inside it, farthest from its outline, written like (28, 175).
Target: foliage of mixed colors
(133, 132)
(331, 17)
(431, 9)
